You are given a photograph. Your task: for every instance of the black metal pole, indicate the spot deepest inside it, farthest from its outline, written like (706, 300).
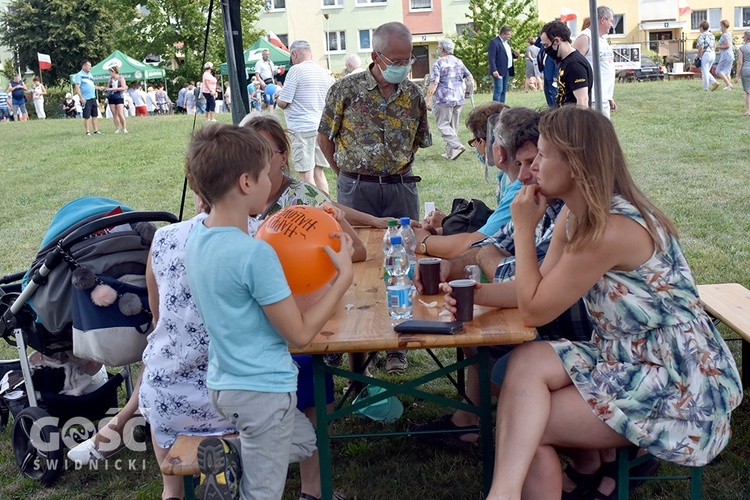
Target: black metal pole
(230, 14)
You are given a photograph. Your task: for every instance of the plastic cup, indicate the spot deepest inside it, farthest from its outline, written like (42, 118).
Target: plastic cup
(463, 292)
(429, 273)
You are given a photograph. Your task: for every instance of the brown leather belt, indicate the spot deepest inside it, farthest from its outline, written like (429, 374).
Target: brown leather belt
(383, 179)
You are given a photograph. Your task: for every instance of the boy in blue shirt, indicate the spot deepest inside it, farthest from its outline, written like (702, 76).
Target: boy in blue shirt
(242, 296)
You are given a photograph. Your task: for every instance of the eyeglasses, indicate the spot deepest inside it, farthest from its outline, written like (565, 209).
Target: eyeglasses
(475, 140)
(399, 62)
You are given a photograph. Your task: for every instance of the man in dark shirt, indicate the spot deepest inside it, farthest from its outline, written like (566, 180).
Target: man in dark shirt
(575, 76)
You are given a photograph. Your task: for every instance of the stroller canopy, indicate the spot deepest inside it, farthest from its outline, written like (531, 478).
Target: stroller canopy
(77, 210)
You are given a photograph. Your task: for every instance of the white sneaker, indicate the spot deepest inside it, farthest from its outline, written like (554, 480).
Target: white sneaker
(85, 453)
(117, 131)
(124, 131)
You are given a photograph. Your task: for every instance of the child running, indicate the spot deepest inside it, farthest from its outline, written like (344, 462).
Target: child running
(243, 298)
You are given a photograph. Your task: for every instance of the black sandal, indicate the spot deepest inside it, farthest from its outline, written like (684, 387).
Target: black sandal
(585, 483)
(609, 469)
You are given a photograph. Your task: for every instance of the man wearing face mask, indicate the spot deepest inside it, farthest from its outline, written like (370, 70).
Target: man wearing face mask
(372, 125)
(574, 77)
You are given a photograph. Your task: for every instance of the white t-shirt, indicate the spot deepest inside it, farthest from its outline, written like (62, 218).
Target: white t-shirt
(606, 65)
(305, 90)
(265, 69)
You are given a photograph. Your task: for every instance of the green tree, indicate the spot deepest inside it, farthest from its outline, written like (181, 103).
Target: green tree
(69, 31)
(172, 28)
(488, 16)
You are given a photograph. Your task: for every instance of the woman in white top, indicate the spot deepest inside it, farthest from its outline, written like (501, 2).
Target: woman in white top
(38, 91)
(706, 45)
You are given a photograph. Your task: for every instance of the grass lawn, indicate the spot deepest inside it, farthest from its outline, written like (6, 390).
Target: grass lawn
(688, 150)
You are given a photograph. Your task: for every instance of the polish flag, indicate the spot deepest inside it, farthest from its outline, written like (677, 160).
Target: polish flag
(684, 8)
(44, 61)
(566, 14)
(275, 40)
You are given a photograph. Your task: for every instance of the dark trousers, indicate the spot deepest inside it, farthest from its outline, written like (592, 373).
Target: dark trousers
(380, 200)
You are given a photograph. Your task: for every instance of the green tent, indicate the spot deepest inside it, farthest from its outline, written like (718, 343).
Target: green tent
(131, 69)
(253, 54)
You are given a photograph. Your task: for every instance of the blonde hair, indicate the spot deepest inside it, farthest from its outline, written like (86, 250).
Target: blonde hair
(589, 143)
(115, 68)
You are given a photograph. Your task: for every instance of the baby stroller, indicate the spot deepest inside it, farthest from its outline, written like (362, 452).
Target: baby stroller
(83, 298)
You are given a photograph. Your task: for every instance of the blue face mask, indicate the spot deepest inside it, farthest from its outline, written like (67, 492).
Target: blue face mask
(395, 74)
(479, 156)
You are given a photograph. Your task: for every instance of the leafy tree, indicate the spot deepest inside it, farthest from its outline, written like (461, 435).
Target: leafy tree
(70, 31)
(171, 27)
(488, 16)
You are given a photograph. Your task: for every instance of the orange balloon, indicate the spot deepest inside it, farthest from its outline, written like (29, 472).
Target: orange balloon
(299, 234)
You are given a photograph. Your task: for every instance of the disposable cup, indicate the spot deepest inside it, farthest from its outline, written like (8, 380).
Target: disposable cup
(463, 292)
(429, 274)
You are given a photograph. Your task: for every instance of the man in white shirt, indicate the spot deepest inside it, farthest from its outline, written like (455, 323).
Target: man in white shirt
(303, 99)
(266, 69)
(582, 43)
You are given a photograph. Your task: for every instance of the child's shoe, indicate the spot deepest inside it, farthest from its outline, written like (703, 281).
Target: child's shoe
(220, 468)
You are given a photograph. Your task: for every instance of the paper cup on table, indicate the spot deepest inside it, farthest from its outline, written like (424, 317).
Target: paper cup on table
(429, 273)
(463, 292)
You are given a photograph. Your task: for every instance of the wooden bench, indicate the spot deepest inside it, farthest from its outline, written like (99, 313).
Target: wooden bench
(676, 76)
(182, 460)
(729, 303)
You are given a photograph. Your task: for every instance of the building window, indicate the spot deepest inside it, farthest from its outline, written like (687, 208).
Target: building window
(333, 3)
(618, 26)
(465, 30)
(742, 17)
(371, 2)
(713, 16)
(420, 5)
(365, 40)
(275, 5)
(336, 41)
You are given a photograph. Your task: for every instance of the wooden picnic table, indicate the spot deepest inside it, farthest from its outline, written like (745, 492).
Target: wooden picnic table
(362, 324)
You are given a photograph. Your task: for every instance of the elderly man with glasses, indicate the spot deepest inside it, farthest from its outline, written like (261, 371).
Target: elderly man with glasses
(372, 125)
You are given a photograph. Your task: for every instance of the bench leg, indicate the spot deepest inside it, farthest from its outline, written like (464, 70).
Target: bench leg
(190, 485)
(696, 482)
(745, 364)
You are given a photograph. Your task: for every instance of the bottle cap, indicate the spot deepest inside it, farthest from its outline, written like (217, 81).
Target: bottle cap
(405, 221)
(392, 223)
(395, 240)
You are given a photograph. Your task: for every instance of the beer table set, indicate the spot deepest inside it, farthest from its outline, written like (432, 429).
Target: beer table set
(362, 324)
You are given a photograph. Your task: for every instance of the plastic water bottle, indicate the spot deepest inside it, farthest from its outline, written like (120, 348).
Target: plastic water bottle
(398, 285)
(409, 242)
(390, 232)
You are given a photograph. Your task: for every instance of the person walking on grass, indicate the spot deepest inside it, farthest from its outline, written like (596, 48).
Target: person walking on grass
(726, 56)
(86, 91)
(17, 90)
(574, 76)
(500, 56)
(606, 57)
(706, 45)
(445, 96)
(743, 69)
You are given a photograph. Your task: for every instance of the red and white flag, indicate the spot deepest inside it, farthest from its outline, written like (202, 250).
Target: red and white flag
(566, 14)
(275, 40)
(44, 61)
(684, 8)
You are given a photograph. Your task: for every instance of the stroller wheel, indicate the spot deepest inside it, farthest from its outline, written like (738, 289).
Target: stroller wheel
(37, 445)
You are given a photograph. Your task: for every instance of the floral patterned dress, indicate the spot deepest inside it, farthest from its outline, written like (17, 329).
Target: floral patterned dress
(656, 370)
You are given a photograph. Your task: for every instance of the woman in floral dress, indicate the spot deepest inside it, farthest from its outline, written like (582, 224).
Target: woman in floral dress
(656, 373)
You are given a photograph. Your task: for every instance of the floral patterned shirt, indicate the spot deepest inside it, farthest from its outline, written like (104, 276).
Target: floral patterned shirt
(297, 193)
(374, 135)
(449, 71)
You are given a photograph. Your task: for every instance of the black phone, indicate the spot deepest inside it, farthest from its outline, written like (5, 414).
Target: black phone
(430, 327)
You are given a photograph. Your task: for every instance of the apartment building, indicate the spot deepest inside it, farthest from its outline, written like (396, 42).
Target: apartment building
(337, 28)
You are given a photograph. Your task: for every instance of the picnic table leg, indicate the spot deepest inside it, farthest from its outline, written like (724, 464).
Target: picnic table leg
(745, 364)
(485, 417)
(321, 416)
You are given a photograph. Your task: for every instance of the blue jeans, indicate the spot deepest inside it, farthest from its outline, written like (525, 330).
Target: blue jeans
(500, 88)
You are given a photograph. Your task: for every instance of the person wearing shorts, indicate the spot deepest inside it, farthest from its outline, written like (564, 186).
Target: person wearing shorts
(17, 89)
(86, 90)
(4, 107)
(209, 91)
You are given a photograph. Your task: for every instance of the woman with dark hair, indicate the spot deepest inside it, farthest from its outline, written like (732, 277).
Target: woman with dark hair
(706, 45)
(656, 373)
(209, 91)
(116, 86)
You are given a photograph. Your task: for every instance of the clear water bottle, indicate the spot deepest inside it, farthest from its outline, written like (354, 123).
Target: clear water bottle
(390, 232)
(409, 242)
(398, 286)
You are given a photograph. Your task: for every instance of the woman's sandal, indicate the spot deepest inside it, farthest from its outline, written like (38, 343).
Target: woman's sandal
(585, 484)
(336, 496)
(609, 469)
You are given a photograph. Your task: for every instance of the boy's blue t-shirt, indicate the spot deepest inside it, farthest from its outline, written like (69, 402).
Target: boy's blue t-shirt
(232, 275)
(501, 215)
(86, 81)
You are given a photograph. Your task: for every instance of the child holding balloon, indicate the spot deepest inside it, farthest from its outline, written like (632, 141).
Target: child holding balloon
(244, 300)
